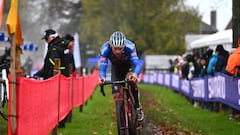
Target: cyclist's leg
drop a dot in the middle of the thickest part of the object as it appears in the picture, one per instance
(136, 95)
(138, 105)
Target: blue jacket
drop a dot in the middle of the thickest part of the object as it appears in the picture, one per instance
(212, 64)
(129, 55)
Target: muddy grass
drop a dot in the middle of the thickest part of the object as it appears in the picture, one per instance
(153, 126)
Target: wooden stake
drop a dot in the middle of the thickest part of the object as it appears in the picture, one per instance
(13, 84)
(56, 71)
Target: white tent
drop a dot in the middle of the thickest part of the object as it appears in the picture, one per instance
(222, 37)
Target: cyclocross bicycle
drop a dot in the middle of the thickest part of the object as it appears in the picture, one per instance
(4, 95)
(125, 111)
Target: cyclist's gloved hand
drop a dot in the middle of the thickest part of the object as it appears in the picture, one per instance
(132, 77)
(102, 81)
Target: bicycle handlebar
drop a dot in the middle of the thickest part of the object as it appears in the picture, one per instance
(112, 82)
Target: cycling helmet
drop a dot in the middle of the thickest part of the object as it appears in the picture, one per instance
(117, 40)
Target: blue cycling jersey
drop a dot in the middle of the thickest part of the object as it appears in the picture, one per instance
(128, 56)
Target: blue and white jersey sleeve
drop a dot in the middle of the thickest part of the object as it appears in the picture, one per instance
(133, 57)
(103, 61)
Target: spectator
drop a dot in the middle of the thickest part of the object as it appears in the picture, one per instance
(222, 55)
(188, 68)
(208, 55)
(203, 66)
(212, 64)
(232, 69)
(70, 60)
(176, 66)
(56, 49)
(211, 59)
(196, 64)
(171, 63)
(70, 38)
(233, 62)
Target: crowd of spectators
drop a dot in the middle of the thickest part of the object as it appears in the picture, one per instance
(196, 65)
(208, 63)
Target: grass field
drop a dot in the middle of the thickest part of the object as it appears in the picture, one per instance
(163, 107)
(177, 115)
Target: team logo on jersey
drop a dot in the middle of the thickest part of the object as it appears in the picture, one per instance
(134, 53)
(102, 58)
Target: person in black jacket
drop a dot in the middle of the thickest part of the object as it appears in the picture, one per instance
(222, 55)
(186, 67)
(70, 57)
(57, 48)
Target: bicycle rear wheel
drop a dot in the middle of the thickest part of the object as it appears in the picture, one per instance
(121, 121)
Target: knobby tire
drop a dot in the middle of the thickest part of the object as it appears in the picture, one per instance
(121, 123)
(133, 123)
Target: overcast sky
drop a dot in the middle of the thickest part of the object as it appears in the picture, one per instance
(223, 8)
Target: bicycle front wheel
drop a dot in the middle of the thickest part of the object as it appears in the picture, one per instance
(132, 120)
(121, 120)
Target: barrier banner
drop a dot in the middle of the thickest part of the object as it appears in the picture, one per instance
(78, 92)
(160, 79)
(198, 88)
(153, 78)
(86, 88)
(65, 95)
(216, 87)
(232, 92)
(37, 106)
(41, 104)
(90, 82)
(185, 87)
(167, 79)
(145, 78)
(219, 87)
(175, 81)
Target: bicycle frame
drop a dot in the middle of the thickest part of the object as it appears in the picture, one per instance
(126, 97)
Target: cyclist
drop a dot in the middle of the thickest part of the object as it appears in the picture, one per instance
(123, 56)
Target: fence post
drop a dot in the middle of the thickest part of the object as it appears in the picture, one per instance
(56, 71)
(69, 116)
(85, 71)
(81, 74)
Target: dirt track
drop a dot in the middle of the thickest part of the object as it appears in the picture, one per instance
(153, 127)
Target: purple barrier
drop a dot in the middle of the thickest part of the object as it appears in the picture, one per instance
(220, 87)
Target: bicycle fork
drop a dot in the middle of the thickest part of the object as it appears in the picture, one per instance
(128, 104)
